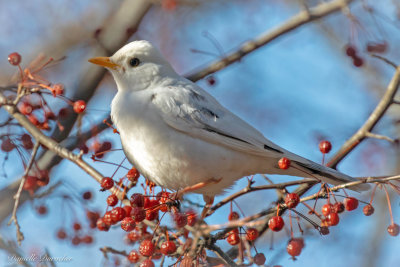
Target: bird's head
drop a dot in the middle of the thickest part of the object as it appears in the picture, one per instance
(136, 66)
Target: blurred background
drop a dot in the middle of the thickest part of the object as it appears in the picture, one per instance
(297, 90)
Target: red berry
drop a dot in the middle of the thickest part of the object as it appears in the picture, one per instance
(191, 217)
(87, 239)
(233, 238)
(324, 230)
(368, 210)
(147, 263)
(92, 215)
(259, 259)
(76, 240)
(61, 234)
(137, 200)
(146, 248)
(163, 197)
(112, 200)
(350, 50)
(233, 216)
(134, 236)
(251, 234)
(211, 80)
(133, 256)
(117, 214)
(108, 218)
(138, 214)
(25, 108)
(180, 219)
(327, 209)
(7, 145)
(107, 183)
(128, 224)
(14, 58)
(276, 223)
(338, 207)
(77, 226)
(294, 247)
(27, 141)
(358, 62)
(350, 203)
(151, 214)
(58, 89)
(30, 183)
(42, 210)
(333, 219)
(87, 195)
(292, 200)
(133, 175)
(393, 229)
(102, 225)
(128, 210)
(284, 163)
(325, 146)
(168, 247)
(79, 106)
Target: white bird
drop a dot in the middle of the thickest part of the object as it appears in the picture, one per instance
(181, 138)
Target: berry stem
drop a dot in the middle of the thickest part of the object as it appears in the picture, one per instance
(373, 194)
(389, 205)
(291, 225)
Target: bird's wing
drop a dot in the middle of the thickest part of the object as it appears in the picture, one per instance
(188, 108)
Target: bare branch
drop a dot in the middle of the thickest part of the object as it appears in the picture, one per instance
(55, 147)
(20, 235)
(294, 22)
(376, 115)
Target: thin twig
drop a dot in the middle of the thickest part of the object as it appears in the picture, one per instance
(294, 22)
(20, 235)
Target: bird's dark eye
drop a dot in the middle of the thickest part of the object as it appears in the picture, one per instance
(134, 62)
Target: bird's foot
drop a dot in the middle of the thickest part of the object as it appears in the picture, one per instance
(209, 201)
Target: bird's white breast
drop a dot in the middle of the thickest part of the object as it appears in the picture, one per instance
(170, 158)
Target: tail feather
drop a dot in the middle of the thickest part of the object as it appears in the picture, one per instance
(328, 175)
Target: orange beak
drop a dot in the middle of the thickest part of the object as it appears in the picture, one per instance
(104, 62)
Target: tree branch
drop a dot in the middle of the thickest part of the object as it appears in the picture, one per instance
(294, 22)
(20, 235)
(376, 115)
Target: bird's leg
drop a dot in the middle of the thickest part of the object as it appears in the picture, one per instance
(209, 201)
(195, 187)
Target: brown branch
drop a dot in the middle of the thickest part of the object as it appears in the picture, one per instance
(376, 115)
(53, 146)
(294, 22)
(107, 250)
(222, 255)
(250, 188)
(20, 235)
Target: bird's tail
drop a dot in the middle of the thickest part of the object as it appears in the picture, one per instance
(314, 170)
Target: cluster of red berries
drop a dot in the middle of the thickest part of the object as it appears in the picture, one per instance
(7, 145)
(351, 51)
(77, 235)
(251, 234)
(130, 218)
(32, 182)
